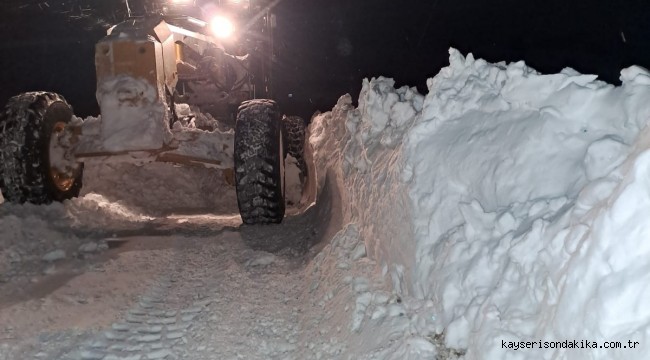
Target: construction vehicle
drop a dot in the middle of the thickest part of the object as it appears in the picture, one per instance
(153, 70)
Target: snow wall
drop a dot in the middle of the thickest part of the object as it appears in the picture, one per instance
(516, 202)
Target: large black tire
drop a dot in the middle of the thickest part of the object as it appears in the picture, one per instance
(259, 162)
(294, 140)
(27, 125)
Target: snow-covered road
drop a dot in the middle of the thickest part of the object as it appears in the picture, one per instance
(141, 267)
(202, 288)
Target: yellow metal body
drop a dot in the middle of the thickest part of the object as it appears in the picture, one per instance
(148, 54)
(137, 68)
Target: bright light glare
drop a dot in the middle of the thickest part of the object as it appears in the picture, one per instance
(197, 22)
(181, 2)
(243, 4)
(222, 27)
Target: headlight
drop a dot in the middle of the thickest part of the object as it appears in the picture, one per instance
(222, 27)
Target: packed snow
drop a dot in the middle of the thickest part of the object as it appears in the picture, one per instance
(500, 216)
(133, 116)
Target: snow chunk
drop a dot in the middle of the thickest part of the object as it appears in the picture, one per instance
(603, 156)
(54, 255)
(261, 259)
(636, 74)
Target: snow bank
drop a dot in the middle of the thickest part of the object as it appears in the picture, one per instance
(359, 146)
(514, 201)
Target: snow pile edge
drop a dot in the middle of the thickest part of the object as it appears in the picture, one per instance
(505, 197)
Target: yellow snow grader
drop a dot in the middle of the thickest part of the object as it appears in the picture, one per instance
(171, 87)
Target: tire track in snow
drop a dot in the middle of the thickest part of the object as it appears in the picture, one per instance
(157, 327)
(218, 299)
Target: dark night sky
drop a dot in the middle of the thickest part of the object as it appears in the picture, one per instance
(328, 46)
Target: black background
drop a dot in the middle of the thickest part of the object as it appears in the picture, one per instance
(328, 46)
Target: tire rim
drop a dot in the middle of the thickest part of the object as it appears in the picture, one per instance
(62, 179)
